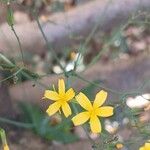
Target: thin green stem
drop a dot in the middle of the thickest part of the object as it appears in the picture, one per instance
(47, 42)
(91, 140)
(85, 80)
(6, 60)
(9, 9)
(15, 123)
(96, 58)
(31, 78)
(20, 47)
(137, 91)
(89, 37)
(3, 136)
(130, 21)
(76, 112)
(11, 76)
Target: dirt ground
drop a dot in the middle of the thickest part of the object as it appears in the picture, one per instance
(30, 141)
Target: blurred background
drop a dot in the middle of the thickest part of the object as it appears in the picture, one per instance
(94, 45)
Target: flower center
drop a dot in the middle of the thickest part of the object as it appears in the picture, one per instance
(92, 112)
(62, 99)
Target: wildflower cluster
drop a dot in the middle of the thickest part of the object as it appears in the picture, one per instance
(91, 111)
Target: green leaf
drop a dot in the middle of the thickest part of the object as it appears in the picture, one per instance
(6, 66)
(43, 127)
(29, 74)
(10, 17)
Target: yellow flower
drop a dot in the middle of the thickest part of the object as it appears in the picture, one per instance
(145, 147)
(119, 145)
(92, 111)
(60, 98)
(6, 147)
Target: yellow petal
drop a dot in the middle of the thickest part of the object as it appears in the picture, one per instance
(100, 99)
(147, 146)
(61, 86)
(84, 101)
(119, 145)
(6, 147)
(70, 94)
(95, 124)
(80, 118)
(105, 111)
(141, 148)
(52, 109)
(66, 109)
(51, 95)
